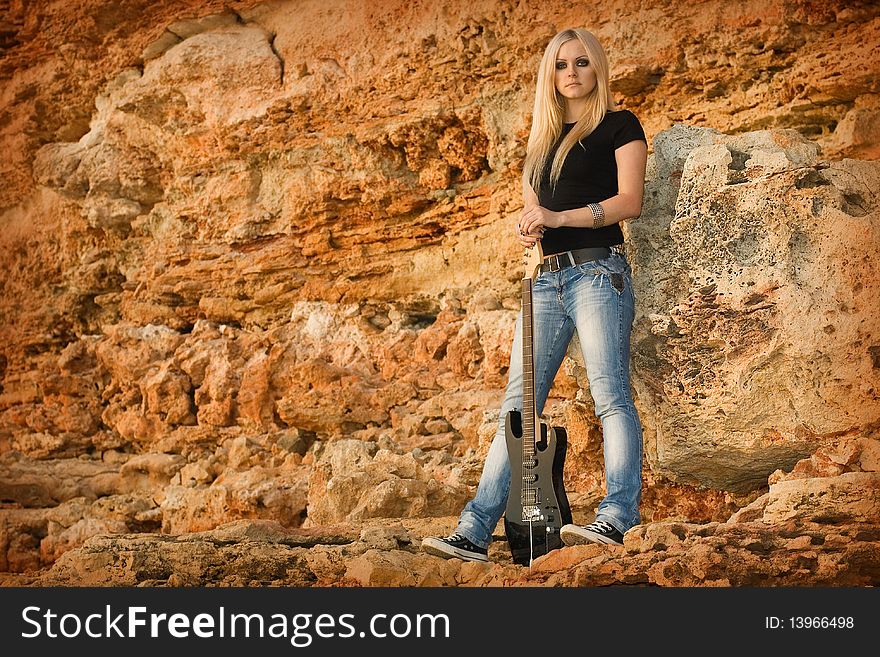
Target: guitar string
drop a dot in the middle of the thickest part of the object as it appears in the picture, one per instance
(530, 428)
(528, 454)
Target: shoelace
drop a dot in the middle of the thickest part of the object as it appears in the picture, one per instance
(601, 526)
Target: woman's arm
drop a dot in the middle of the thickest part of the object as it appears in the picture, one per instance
(530, 199)
(529, 196)
(632, 160)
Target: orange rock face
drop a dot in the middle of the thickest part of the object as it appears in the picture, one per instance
(257, 264)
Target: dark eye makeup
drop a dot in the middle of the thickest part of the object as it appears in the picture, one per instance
(582, 62)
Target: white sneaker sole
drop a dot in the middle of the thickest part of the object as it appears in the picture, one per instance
(440, 549)
(574, 535)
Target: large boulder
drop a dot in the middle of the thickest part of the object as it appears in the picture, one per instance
(756, 278)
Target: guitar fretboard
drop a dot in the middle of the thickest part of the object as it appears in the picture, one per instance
(530, 424)
(529, 415)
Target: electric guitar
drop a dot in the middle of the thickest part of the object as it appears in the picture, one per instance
(537, 506)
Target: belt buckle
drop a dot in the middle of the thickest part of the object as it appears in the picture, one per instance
(553, 263)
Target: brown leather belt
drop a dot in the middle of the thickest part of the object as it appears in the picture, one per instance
(565, 259)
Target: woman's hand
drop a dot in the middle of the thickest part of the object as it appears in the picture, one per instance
(534, 221)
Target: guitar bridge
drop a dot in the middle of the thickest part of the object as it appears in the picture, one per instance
(531, 514)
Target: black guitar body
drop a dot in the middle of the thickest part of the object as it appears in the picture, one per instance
(550, 510)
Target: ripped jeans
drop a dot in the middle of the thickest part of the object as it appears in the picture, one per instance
(595, 299)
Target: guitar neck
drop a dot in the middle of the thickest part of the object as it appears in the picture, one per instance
(530, 415)
(533, 258)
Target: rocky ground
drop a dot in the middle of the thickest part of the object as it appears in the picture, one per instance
(669, 553)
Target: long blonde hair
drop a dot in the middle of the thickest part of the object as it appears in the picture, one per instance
(549, 110)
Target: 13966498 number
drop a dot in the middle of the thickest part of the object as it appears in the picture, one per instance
(821, 622)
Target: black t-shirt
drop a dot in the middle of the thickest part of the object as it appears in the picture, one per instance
(589, 175)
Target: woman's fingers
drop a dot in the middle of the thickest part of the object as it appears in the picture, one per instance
(528, 220)
(530, 226)
(528, 240)
(532, 221)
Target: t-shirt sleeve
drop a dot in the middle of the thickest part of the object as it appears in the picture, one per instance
(628, 130)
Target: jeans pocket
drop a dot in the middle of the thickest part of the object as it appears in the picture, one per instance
(614, 268)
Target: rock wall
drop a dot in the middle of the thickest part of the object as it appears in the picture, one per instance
(258, 268)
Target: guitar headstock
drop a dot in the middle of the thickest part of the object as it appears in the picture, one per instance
(532, 259)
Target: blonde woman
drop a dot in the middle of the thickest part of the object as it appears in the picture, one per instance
(584, 174)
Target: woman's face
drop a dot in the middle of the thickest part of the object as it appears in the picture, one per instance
(575, 76)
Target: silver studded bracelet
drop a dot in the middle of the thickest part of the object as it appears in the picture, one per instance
(598, 215)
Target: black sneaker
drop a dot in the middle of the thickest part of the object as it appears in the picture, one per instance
(454, 546)
(596, 532)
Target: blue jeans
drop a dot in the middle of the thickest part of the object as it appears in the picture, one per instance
(596, 299)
